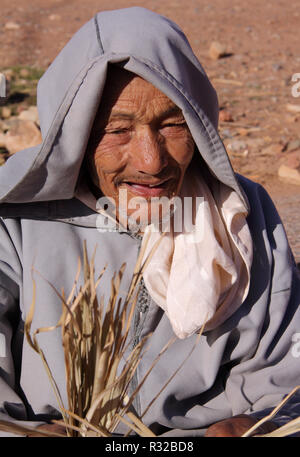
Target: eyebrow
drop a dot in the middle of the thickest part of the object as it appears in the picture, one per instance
(121, 115)
(173, 110)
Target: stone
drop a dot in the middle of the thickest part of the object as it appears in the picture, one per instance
(54, 17)
(11, 26)
(255, 144)
(217, 50)
(272, 149)
(22, 135)
(242, 131)
(226, 133)
(292, 108)
(290, 168)
(237, 145)
(225, 116)
(241, 147)
(24, 73)
(289, 174)
(6, 112)
(30, 114)
(21, 82)
(237, 148)
(293, 145)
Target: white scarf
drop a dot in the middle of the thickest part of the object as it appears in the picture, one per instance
(202, 278)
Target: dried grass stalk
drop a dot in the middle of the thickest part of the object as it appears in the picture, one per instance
(95, 338)
(11, 427)
(288, 429)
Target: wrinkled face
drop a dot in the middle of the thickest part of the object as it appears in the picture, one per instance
(139, 143)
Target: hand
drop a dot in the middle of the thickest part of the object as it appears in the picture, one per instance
(237, 426)
(53, 429)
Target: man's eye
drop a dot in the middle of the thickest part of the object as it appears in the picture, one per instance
(116, 131)
(175, 124)
(174, 127)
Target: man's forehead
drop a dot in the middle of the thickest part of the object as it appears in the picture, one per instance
(126, 92)
(116, 113)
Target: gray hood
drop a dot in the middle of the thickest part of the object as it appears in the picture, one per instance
(70, 91)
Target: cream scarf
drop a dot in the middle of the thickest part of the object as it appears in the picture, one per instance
(204, 277)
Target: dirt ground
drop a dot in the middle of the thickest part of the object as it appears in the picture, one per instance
(253, 82)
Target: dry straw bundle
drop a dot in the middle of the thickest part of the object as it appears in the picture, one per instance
(95, 340)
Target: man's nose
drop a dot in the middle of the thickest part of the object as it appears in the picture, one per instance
(149, 154)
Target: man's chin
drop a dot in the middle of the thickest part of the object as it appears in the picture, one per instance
(155, 215)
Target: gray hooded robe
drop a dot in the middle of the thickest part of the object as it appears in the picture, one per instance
(247, 364)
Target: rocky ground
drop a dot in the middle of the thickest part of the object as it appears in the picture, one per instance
(248, 48)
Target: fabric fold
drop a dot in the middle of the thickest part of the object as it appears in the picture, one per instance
(202, 274)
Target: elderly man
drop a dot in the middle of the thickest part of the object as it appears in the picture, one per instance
(127, 110)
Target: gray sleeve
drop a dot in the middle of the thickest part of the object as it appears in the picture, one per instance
(12, 407)
(270, 370)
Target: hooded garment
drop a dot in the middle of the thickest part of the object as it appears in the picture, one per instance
(247, 360)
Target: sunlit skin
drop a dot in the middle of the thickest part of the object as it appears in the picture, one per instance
(140, 141)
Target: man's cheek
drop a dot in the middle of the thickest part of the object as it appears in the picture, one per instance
(108, 160)
(111, 140)
(183, 151)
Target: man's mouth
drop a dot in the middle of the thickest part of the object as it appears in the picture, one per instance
(148, 189)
